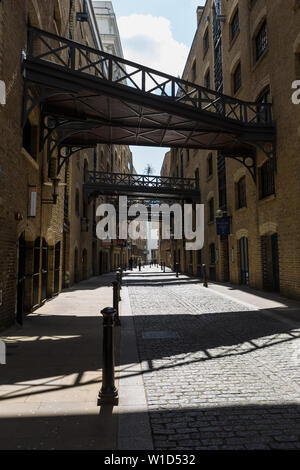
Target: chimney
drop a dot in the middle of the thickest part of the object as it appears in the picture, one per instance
(199, 14)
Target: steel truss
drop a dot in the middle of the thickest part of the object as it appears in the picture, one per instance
(88, 97)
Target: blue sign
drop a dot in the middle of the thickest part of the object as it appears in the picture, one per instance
(223, 225)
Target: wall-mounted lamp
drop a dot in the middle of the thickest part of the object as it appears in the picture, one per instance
(55, 185)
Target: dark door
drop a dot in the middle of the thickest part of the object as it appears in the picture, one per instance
(199, 263)
(84, 264)
(275, 262)
(44, 270)
(244, 261)
(21, 278)
(212, 267)
(36, 271)
(191, 262)
(56, 267)
(76, 276)
(100, 262)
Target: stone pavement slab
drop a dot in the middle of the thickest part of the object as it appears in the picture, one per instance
(50, 384)
(226, 376)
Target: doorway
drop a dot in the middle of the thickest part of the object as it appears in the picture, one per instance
(56, 267)
(270, 262)
(44, 270)
(36, 271)
(21, 278)
(244, 261)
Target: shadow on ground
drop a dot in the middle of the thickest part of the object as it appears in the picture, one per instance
(229, 427)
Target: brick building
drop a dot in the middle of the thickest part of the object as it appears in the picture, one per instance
(249, 50)
(47, 225)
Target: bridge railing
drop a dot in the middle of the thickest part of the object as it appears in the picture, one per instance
(79, 58)
(141, 181)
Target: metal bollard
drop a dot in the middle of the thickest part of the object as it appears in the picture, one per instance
(164, 267)
(108, 394)
(177, 269)
(204, 275)
(116, 303)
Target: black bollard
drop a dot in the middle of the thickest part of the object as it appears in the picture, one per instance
(177, 269)
(204, 275)
(116, 303)
(164, 267)
(108, 394)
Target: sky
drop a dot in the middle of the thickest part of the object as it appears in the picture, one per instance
(157, 34)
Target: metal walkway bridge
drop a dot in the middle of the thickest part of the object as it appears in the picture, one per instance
(148, 187)
(88, 97)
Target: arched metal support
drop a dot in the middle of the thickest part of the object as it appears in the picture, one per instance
(30, 101)
(249, 162)
(65, 152)
(269, 150)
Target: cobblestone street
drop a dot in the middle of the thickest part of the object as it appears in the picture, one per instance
(218, 373)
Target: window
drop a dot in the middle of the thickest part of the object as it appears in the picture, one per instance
(266, 179)
(262, 109)
(241, 193)
(187, 156)
(212, 253)
(30, 139)
(207, 79)
(237, 78)
(261, 41)
(194, 70)
(206, 41)
(211, 210)
(77, 202)
(235, 26)
(209, 165)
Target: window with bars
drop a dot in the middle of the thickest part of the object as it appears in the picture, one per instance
(261, 40)
(77, 209)
(266, 179)
(212, 253)
(221, 164)
(263, 100)
(241, 200)
(207, 79)
(209, 165)
(237, 78)
(211, 206)
(235, 25)
(205, 41)
(187, 156)
(194, 70)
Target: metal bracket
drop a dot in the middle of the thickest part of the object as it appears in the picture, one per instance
(249, 162)
(269, 149)
(66, 151)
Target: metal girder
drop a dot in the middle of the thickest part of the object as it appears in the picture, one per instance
(94, 97)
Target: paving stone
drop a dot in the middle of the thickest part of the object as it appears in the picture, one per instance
(229, 378)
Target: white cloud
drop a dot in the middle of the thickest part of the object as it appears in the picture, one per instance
(148, 40)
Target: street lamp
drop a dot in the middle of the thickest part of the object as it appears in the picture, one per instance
(55, 193)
